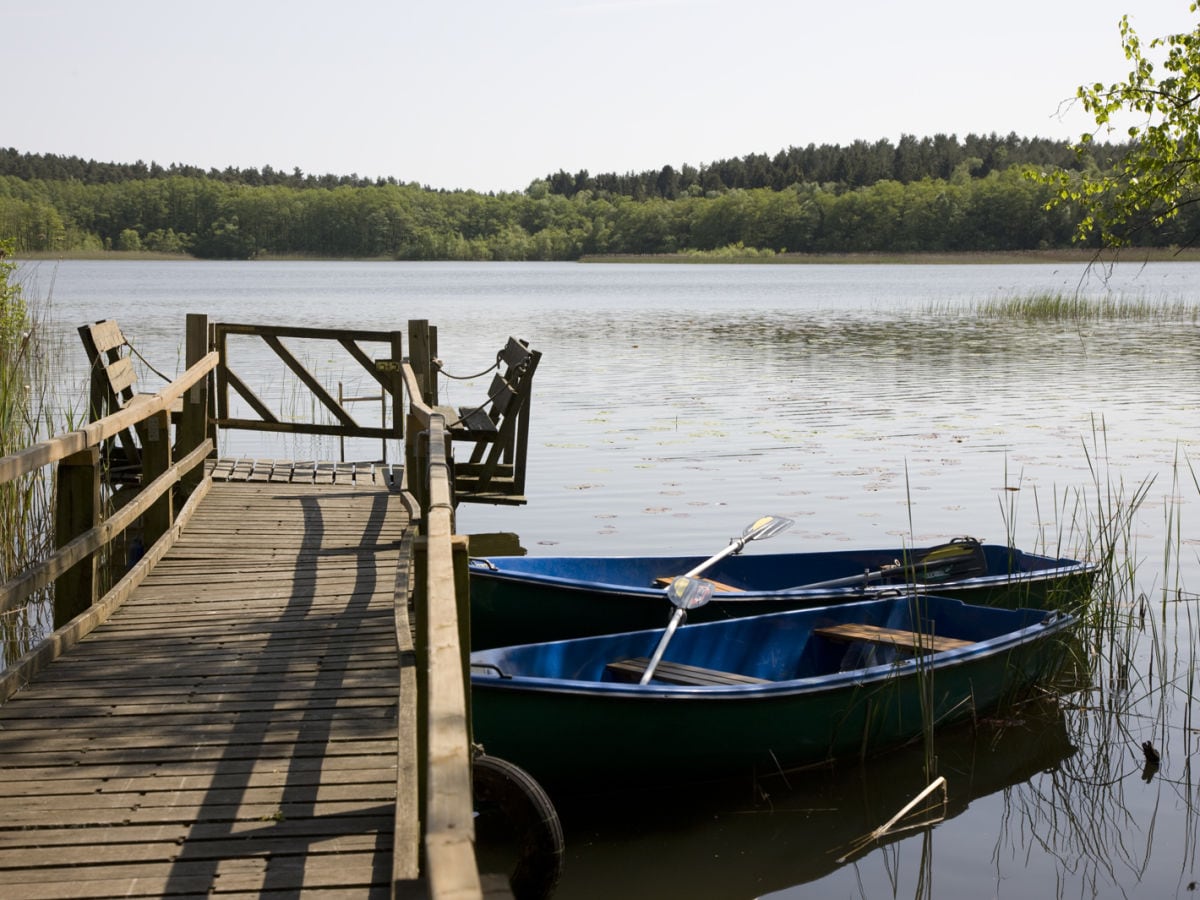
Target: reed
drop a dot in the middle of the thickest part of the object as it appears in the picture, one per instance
(27, 416)
(1078, 308)
(1133, 711)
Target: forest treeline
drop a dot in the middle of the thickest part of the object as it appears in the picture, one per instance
(920, 195)
(860, 164)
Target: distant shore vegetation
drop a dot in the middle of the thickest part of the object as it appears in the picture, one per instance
(920, 196)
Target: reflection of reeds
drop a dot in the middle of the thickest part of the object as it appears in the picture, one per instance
(928, 815)
(1130, 683)
(1134, 703)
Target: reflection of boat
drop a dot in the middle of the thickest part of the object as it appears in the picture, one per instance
(525, 599)
(754, 693)
(734, 839)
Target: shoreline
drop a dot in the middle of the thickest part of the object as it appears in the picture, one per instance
(966, 257)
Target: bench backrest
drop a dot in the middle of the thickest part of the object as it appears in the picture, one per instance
(499, 430)
(112, 379)
(510, 403)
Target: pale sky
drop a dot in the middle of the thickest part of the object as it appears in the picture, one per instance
(492, 94)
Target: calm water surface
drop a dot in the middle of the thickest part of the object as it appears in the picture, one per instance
(875, 406)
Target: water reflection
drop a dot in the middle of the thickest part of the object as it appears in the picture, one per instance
(744, 839)
(845, 419)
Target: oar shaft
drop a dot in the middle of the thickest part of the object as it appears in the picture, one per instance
(848, 581)
(767, 526)
(735, 547)
(662, 646)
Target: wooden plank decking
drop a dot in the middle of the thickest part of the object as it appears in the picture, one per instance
(232, 728)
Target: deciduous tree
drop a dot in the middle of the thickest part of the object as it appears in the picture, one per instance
(1159, 176)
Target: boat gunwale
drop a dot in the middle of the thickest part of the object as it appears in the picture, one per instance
(614, 589)
(1053, 622)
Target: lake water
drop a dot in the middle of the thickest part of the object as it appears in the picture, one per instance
(875, 406)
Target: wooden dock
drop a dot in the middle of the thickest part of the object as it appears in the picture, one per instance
(270, 695)
(232, 728)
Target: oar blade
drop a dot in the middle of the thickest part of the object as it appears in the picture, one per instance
(767, 527)
(689, 593)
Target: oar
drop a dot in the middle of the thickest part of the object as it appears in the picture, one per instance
(864, 578)
(965, 551)
(761, 529)
(685, 593)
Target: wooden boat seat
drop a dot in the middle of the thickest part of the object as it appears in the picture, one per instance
(904, 640)
(678, 673)
(666, 580)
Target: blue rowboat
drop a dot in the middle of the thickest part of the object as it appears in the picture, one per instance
(525, 599)
(756, 694)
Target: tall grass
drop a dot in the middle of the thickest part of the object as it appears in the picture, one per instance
(1132, 715)
(25, 418)
(1077, 308)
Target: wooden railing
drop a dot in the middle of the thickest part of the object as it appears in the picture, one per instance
(384, 371)
(439, 646)
(85, 530)
(434, 849)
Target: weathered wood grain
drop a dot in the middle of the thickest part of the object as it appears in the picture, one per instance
(232, 727)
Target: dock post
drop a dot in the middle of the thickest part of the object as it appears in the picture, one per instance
(156, 459)
(460, 550)
(193, 423)
(422, 349)
(397, 386)
(77, 501)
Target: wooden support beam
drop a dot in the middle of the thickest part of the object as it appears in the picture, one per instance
(396, 384)
(77, 502)
(193, 420)
(156, 461)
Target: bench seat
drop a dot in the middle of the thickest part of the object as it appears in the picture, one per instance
(679, 673)
(903, 640)
(718, 586)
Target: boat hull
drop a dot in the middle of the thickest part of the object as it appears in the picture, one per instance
(517, 600)
(556, 710)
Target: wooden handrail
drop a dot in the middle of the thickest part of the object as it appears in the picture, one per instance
(446, 797)
(452, 870)
(416, 406)
(63, 639)
(41, 575)
(85, 535)
(91, 435)
(448, 864)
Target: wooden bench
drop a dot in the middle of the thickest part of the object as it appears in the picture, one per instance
(112, 380)
(498, 429)
(903, 640)
(678, 673)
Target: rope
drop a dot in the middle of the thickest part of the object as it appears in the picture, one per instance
(467, 413)
(146, 362)
(491, 398)
(496, 365)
